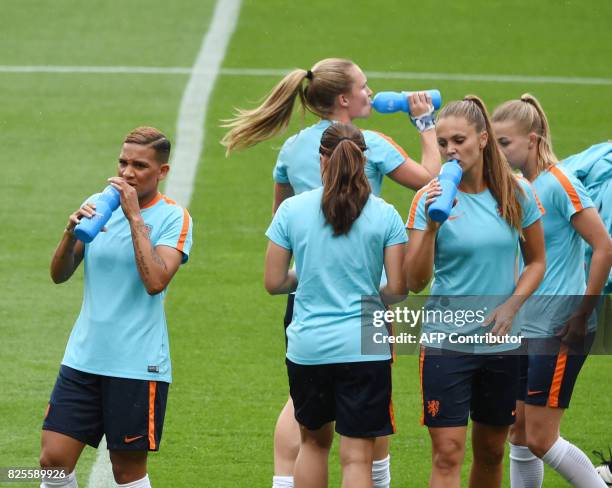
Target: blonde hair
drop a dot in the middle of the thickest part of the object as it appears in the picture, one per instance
(326, 80)
(497, 173)
(528, 114)
(345, 186)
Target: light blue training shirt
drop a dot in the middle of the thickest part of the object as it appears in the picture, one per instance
(121, 330)
(562, 196)
(298, 162)
(334, 273)
(593, 167)
(475, 255)
(547, 310)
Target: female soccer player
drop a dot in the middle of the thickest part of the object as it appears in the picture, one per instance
(337, 91)
(473, 253)
(115, 374)
(341, 235)
(558, 339)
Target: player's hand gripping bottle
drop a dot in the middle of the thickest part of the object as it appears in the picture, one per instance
(388, 102)
(449, 179)
(106, 203)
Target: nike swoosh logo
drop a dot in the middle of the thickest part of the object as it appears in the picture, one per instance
(534, 392)
(127, 439)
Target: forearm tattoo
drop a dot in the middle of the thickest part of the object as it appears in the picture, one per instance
(142, 230)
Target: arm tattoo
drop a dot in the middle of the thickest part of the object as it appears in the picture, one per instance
(157, 259)
(142, 229)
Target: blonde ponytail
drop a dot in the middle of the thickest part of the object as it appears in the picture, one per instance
(248, 127)
(529, 115)
(326, 80)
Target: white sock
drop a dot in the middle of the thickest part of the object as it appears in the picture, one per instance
(282, 482)
(573, 464)
(69, 481)
(526, 469)
(141, 483)
(381, 474)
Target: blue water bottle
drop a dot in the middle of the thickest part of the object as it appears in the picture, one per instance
(106, 203)
(389, 102)
(449, 178)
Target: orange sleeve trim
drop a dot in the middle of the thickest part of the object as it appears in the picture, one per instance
(421, 362)
(413, 207)
(152, 390)
(157, 198)
(168, 200)
(47, 410)
(399, 148)
(555, 388)
(184, 231)
(568, 187)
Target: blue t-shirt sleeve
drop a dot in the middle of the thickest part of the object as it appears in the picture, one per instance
(383, 152)
(570, 194)
(278, 232)
(532, 208)
(417, 219)
(396, 231)
(177, 232)
(280, 169)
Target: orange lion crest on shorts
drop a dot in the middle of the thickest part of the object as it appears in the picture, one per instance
(433, 407)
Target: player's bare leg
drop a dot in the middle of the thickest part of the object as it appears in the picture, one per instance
(356, 456)
(286, 441)
(130, 466)
(60, 451)
(447, 453)
(311, 464)
(488, 444)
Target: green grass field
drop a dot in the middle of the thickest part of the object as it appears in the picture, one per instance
(61, 135)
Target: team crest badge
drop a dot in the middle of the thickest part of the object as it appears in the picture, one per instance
(433, 407)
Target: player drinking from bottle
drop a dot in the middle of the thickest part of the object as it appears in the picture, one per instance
(559, 323)
(472, 254)
(115, 374)
(335, 90)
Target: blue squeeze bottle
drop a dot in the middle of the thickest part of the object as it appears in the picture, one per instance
(106, 203)
(388, 102)
(449, 178)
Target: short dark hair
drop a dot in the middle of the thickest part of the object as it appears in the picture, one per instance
(151, 137)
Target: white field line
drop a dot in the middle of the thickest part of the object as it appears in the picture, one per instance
(101, 475)
(192, 114)
(188, 148)
(388, 75)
